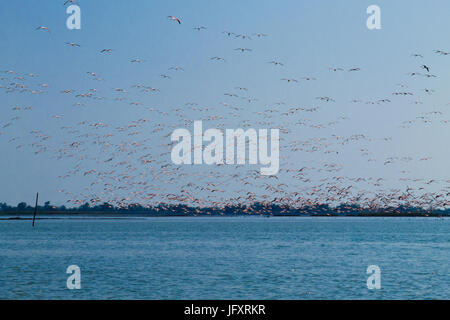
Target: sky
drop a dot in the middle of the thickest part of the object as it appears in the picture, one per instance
(308, 37)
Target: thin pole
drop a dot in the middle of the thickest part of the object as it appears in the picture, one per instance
(35, 207)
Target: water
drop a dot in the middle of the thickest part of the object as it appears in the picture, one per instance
(226, 258)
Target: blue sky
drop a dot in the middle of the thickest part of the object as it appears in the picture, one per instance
(309, 37)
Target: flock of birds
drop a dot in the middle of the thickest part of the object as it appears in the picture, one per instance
(130, 163)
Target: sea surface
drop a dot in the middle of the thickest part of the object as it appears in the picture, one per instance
(226, 258)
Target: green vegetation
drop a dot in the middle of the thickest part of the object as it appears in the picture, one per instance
(258, 208)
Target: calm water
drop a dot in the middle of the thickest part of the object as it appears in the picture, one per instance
(226, 258)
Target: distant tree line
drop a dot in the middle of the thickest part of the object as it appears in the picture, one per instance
(258, 208)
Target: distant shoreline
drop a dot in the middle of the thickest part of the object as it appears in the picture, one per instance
(265, 209)
(10, 216)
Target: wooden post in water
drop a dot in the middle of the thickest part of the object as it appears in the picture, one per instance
(35, 207)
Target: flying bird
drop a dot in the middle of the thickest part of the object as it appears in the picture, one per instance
(218, 58)
(276, 63)
(289, 80)
(228, 33)
(43, 28)
(243, 49)
(426, 68)
(175, 19)
(72, 44)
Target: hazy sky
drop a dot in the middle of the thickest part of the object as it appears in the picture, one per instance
(308, 37)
